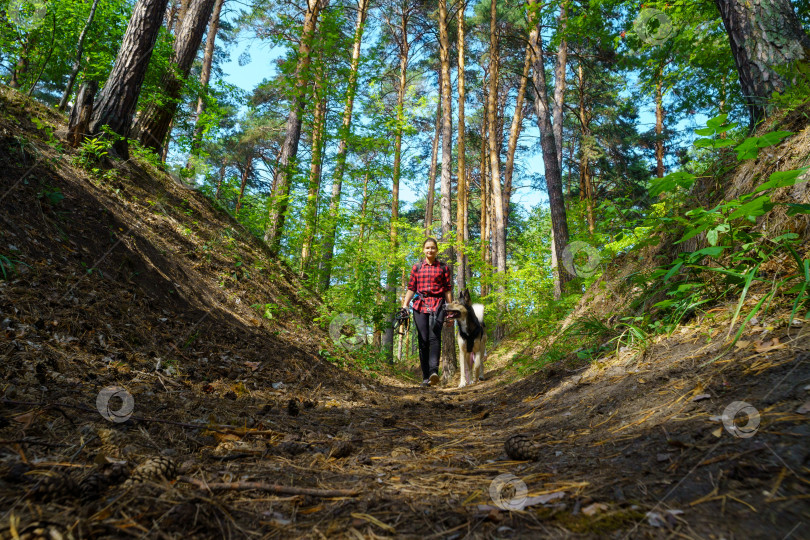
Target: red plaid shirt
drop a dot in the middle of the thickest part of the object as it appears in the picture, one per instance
(431, 282)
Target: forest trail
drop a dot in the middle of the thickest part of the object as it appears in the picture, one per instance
(137, 282)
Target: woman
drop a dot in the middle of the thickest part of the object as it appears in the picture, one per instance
(431, 280)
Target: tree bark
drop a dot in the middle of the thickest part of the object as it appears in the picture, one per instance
(78, 62)
(550, 159)
(205, 74)
(434, 162)
(461, 198)
(514, 133)
(340, 160)
(289, 149)
(392, 271)
(80, 114)
(659, 120)
(585, 183)
(448, 356)
(117, 101)
(311, 209)
(499, 234)
(243, 184)
(764, 35)
(153, 126)
(484, 181)
(560, 82)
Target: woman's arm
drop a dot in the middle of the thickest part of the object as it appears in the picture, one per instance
(408, 297)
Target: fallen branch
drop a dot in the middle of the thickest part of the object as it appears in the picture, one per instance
(272, 488)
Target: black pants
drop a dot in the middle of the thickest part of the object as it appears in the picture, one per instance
(430, 342)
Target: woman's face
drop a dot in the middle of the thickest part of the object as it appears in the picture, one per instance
(430, 250)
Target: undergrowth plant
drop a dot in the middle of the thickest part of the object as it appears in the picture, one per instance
(732, 262)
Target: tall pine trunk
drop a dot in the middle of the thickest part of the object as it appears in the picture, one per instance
(499, 225)
(340, 160)
(514, 133)
(282, 179)
(153, 126)
(314, 185)
(461, 199)
(393, 271)
(116, 103)
(434, 165)
(551, 161)
(205, 74)
(448, 357)
(585, 181)
(659, 120)
(764, 35)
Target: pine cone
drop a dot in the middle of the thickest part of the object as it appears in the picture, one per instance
(50, 485)
(521, 447)
(342, 449)
(156, 468)
(97, 482)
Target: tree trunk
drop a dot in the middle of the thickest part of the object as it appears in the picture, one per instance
(514, 132)
(205, 74)
(78, 62)
(392, 271)
(484, 181)
(585, 183)
(219, 181)
(289, 149)
(448, 357)
(153, 126)
(764, 35)
(550, 159)
(499, 232)
(659, 120)
(118, 99)
(23, 64)
(461, 199)
(559, 83)
(434, 162)
(80, 114)
(340, 160)
(243, 184)
(311, 209)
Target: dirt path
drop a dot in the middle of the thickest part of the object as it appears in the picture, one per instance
(630, 450)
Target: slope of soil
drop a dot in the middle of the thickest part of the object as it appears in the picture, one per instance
(133, 281)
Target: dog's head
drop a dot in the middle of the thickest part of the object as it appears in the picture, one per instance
(458, 309)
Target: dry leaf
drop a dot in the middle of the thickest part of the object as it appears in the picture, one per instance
(375, 521)
(804, 409)
(768, 345)
(25, 419)
(701, 397)
(741, 344)
(253, 365)
(717, 432)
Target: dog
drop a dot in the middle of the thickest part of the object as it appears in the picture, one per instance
(471, 337)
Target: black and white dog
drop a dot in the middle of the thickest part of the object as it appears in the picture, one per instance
(471, 337)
